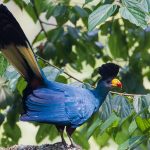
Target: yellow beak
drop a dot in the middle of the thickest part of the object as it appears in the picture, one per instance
(116, 83)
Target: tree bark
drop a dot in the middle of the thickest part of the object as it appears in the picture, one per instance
(56, 146)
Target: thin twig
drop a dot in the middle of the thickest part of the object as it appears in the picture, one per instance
(58, 68)
(126, 94)
(37, 36)
(55, 25)
(51, 24)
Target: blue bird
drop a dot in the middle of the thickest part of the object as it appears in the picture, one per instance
(65, 106)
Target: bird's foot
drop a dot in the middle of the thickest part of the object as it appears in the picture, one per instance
(65, 144)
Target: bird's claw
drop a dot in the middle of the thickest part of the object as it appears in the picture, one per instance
(65, 144)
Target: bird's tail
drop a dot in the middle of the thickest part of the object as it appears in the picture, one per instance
(16, 47)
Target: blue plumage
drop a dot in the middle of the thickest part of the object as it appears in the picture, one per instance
(48, 101)
(62, 104)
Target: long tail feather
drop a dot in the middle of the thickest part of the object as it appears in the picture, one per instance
(16, 47)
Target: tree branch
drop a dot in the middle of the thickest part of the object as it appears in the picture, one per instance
(54, 146)
(126, 94)
(51, 24)
(37, 15)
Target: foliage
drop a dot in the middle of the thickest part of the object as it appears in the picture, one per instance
(123, 38)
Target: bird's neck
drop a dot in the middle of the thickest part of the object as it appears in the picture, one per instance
(101, 91)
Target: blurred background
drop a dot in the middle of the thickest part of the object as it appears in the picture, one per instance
(58, 32)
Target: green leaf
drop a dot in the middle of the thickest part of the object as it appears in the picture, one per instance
(112, 120)
(53, 133)
(29, 9)
(134, 15)
(59, 10)
(132, 127)
(52, 73)
(132, 142)
(141, 104)
(41, 6)
(93, 127)
(6, 97)
(55, 34)
(61, 79)
(39, 38)
(121, 106)
(143, 124)
(12, 132)
(3, 64)
(100, 15)
(49, 13)
(73, 32)
(43, 132)
(12, 75)
(19, 3)
(48, 51)
(83, 142)
(106, 108)
(142, 5)
(21, 85)
(116, 40)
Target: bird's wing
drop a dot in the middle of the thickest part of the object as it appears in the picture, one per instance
(63, 106)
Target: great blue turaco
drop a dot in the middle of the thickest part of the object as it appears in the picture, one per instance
(66, 106)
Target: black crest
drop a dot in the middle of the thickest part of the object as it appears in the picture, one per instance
(109, 70)
(10, 30)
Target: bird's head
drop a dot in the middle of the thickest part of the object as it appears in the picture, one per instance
(108, 73)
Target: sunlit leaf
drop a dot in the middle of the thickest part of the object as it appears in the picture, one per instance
(93, 127)
(132, 127)
(134, 15)
(143, 124)
(21, 85)
(51, 73)
(12, 76)
(109, 122)
(100, 15)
